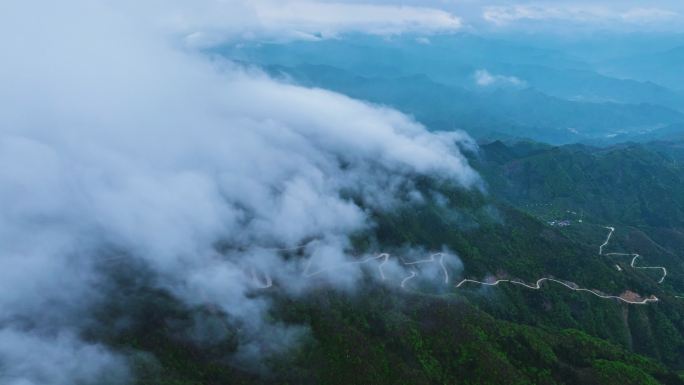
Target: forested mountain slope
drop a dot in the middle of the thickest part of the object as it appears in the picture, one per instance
(431, 331)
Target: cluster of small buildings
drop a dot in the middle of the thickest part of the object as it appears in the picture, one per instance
(560, 223)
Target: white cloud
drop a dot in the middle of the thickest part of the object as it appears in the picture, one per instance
(648, 15)
(332, 18)
(212, 21)
(484, 78)
(114, 139)
(595, 13)
(30, 359)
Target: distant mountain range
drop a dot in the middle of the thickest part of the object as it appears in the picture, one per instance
(536, 93)
(491, 112)
(664, 68)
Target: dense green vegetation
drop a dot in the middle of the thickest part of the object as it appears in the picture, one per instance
(387, 337)
(437, 334)
(632, 184)
(638, 188)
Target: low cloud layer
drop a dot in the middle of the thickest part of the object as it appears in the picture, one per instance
(333, 18)
(484, 78)
(610, 15)
(31, 358)
(563, 16)
(211, 21)
(117, 144)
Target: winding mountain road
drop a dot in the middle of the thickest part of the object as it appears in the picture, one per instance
(605, 243)
(634, 255)
(265, 284)
(405, 280)
(383, 256)
(432, 260)
(438, 258)
(537, 286)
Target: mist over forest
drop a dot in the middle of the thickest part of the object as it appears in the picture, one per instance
(341, 192)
